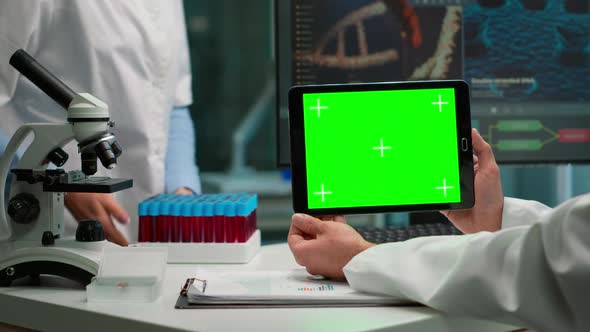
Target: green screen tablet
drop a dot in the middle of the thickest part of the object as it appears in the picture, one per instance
(381, 147)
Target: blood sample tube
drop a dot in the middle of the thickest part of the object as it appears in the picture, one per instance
(163, 220)
(252, 206)
(145, 222)
(248, 205)
(153, 211)
(208, 216)
(185, 219)
(230, 218)
(241, 219)
(219, 218)
(175, 205)
(197, 217)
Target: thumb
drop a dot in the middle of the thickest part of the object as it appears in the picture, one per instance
(482, 149)
(306, 223)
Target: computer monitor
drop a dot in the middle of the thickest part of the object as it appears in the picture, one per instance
(527, 63)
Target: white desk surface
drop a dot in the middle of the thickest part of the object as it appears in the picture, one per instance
(65, 309)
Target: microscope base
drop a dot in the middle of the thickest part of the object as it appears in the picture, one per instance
(34, 269)
(69, 259)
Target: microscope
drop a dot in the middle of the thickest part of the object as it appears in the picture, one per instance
(32, 241)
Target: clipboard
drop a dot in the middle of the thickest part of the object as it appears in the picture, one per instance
(285, 290)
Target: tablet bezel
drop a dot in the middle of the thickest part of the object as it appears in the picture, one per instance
(298, 162)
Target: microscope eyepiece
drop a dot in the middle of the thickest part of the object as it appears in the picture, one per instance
(42, 78)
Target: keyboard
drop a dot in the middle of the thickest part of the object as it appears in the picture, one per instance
(395, 234)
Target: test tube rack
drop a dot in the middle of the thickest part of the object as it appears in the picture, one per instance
(209, 228)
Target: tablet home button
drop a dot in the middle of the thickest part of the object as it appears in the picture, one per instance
(464, 145)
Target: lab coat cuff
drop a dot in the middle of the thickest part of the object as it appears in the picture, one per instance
(520, 212)
(184, 96)
(363, 274)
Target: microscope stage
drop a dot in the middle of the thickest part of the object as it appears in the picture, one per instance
(93, 184)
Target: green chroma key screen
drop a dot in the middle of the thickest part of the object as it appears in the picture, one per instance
(374, 148)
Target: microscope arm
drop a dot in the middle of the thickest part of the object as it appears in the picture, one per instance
(47, 136)
(16, 140)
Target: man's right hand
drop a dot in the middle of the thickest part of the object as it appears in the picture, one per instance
(486, 214)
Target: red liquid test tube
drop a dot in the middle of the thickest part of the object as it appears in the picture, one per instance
(163, 221)
(241, 229)
(197, 228)
(196, 218)
(207, 229)
(229, 212)
(208, 212)
(218, 229)
(145, 229)
(179, 231)
(174, 223)
(162, 228)
(246, 217)
(252, 222)
(230, 229)
(147, 223)
(186, 231)
(219, 211)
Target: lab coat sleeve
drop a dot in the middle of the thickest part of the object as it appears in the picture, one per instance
(19, 22)
(534, 276)
(181, 168)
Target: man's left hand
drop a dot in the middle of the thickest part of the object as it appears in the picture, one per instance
(324, 247)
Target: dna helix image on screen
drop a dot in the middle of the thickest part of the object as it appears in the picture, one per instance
(527, 63)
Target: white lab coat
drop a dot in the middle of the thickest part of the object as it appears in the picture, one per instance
(533, 273)
(132, 54)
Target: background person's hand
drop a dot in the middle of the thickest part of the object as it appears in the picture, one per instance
(184, 191)
(101, 207)
(486, 214)
(324, 247)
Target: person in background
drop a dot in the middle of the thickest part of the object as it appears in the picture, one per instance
(133, 55)
(521, 263)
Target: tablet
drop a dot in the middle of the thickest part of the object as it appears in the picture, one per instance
(381, 147)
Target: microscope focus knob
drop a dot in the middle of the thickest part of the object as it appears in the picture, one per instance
(24, 208)
(89, 231)
(58, 157)
(48, 239)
